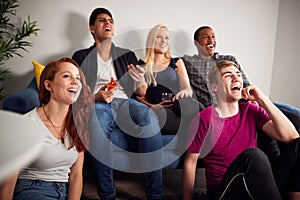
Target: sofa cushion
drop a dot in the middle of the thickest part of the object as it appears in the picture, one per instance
(38, 68)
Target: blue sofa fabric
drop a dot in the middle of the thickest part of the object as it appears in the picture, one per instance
(23, 101)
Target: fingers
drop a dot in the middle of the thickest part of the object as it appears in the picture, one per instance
(108, 96)
(166, 103)
(245, 92)
(183, 94)
(137, 73)
(118, 86)
(251, 93)
(140, 69)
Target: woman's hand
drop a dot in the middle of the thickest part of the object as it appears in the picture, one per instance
(183, 94)
(164, 104)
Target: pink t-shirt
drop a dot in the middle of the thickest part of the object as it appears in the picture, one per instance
(221, 140)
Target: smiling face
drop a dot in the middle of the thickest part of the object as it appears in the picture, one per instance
(206, 43)
(229, 84)
(162, 41)
(103, 28)
(66, 85)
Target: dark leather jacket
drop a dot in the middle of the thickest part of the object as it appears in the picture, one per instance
(87, 59)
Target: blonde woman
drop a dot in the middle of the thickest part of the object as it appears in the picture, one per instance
(166, 78)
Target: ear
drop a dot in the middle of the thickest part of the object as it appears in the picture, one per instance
(92, 29)
(196, 43)
(47, 85)
(214, 87)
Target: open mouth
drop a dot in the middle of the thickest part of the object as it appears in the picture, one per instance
(107, 29)
(210, 46)
(163, 46)
(236, 88)
(73, 90)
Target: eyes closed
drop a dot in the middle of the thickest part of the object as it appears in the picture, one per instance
(104, 20)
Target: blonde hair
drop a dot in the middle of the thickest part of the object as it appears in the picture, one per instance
(214, 73)
(149, 57)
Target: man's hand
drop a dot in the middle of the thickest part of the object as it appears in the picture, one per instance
(111, 85)
(104, 95)
(136, 72)
(107, 92)
(252, 93)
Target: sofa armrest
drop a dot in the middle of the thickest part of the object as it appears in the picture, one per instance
(290, 112)
(288, 107)
(22, 101)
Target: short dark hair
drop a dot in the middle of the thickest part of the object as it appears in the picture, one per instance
(197, 32)
(97, 12)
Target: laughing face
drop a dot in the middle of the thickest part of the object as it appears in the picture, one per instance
(162, 40)
(103, 27)
(206, 43)
(230, 84)
(66, 85)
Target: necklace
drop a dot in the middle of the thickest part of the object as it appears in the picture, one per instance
(50, 119)
(55, 127)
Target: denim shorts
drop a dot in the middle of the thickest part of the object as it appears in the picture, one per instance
(27, 189)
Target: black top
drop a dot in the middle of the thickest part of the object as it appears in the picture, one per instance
(167, 82)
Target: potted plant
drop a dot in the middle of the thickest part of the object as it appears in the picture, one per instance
(12, 37)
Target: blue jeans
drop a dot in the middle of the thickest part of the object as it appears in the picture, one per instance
(27, 189)
(132, 127)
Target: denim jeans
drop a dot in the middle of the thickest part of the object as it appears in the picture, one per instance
(27, 189)
(129, 119)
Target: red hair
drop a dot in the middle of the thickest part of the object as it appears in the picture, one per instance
(77, 118)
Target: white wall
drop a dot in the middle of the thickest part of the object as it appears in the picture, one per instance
(286, 70)
(244, 28)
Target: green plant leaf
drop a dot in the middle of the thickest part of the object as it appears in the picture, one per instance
(13, 38)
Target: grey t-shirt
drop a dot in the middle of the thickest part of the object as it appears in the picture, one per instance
(54, 161)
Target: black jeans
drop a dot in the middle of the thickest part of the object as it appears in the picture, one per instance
(286, 168)
(248, 177)
(253, 176)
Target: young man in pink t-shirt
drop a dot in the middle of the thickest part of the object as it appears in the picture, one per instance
(226, 139)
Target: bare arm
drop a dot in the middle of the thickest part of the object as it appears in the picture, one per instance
(75, 180)
(279, 127)
(184, 82)
(7, 187)
(188, 175)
